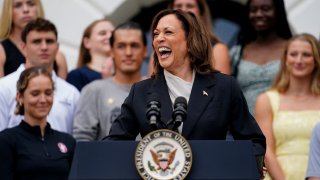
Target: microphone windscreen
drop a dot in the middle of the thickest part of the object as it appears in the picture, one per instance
(180, 100)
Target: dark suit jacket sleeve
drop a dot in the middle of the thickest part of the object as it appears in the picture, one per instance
(125, 127)
(243, 126)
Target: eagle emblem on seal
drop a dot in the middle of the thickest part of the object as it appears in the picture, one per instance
(163, 154)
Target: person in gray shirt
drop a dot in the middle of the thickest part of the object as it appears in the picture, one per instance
(101, 100)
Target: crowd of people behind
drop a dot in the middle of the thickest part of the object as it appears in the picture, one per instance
(265, 89)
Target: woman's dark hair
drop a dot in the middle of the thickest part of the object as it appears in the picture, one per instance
(197, 37)
(282, 28)
(248, 34)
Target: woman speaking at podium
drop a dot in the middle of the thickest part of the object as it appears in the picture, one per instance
(182, 67)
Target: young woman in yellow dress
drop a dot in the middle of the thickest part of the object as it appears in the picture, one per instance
(289, 111)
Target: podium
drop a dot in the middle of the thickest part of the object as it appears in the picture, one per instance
(212, 159)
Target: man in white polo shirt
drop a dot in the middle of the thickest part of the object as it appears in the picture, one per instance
(40, 46)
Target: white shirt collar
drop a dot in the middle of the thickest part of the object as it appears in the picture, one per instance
(177, 86)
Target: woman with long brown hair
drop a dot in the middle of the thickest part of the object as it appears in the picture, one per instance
(94, 61)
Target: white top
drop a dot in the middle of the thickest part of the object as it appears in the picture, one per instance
(63, 109)
(178, 87)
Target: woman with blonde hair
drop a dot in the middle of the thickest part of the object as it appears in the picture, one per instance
(288, 112)
(15, 15)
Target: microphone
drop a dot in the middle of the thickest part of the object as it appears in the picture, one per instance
(153, 111)
(179, 112)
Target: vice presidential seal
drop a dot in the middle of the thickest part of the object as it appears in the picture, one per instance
(163, 154)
